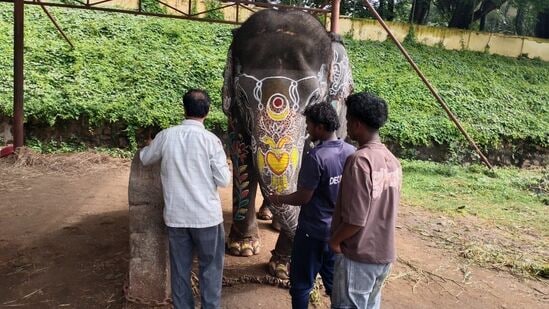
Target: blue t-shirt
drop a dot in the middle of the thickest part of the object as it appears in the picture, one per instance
(321, 171)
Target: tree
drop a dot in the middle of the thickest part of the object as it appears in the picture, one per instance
(420, 11)
(462, 13)
(386, 9)
(542, 26)
(520, 19)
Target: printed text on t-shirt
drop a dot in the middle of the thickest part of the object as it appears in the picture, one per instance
(335, 180)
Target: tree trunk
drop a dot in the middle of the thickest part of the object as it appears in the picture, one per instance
(386, 9)
(382, 7)
(520, 18)
(390, 9)
(482, 25)
(420, 11)
(486, 7)
(465, 13)
(462, 16)
(542, 25)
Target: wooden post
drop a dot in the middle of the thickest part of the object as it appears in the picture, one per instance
(334, 21)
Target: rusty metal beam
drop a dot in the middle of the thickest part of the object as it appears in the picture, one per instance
(428, 84)
(56, 24)
(139, 11)
(282, 6)
(174, 8)
(18, 72)
(115, 10)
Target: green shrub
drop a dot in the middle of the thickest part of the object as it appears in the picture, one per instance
(134, 69)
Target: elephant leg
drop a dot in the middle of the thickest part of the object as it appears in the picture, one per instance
(244, 234)
(280, 261)
(264, 212)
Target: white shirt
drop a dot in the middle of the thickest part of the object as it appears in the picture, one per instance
(193, 165)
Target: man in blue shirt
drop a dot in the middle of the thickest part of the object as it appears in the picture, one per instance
(317, 189)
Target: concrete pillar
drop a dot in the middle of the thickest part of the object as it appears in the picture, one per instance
(149, 259)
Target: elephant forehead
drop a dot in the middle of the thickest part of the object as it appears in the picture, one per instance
(296, 91)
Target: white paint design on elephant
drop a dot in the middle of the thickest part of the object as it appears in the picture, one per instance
(341, 73)
(276, 149)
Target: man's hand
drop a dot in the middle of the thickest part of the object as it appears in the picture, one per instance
(274, 198)
(335, 246)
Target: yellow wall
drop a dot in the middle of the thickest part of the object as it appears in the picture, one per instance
(126, 4)
(456, 39)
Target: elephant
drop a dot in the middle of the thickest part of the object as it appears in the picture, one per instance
(279, 62)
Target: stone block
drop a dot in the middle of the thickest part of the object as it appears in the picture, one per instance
(149, 259)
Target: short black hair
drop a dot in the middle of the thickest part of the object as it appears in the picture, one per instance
(196, 103)
(368, 109)
(323, 113)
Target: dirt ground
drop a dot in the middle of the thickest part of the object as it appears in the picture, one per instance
(64, 244)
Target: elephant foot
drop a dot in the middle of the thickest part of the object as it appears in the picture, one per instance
(276, 224)
(245, 247)
(264, 213)
(279, 266)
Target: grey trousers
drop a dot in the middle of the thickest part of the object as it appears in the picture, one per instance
(209, 244)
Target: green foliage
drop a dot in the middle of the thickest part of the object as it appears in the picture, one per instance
(507, 196)
(152, 6)
(497, 99)
(135, 69)
(72, 146)
(411, 36)
(55, 146)
(505, 199)
(215, 14)
(123, 68)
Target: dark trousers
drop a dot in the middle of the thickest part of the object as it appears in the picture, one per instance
(208, 243)
(309, 257)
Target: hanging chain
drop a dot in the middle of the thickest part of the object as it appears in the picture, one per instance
(227, 282)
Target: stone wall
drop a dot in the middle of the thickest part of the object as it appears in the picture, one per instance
(79, 131)
(516, 153)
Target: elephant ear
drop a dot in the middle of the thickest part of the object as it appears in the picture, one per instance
(228, 84)
(341, 82)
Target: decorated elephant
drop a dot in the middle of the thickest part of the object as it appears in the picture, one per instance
(279, 62)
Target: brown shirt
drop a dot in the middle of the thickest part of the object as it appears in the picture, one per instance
(369, 195)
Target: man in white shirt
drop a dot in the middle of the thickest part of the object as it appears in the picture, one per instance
(193, 165)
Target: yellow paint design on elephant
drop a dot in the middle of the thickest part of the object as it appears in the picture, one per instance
(278, 116)
(260, 161)
(278, 159)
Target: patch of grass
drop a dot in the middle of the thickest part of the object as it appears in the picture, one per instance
(504, 199)
(56, 147)
(315, 298)
(515, 262)
(506, 196)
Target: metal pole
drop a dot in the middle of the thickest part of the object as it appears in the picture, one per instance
(18, 78)
(428, 84)
(56, 25)
(334, 22)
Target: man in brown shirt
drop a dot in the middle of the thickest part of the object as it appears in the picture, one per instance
(363, 225)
